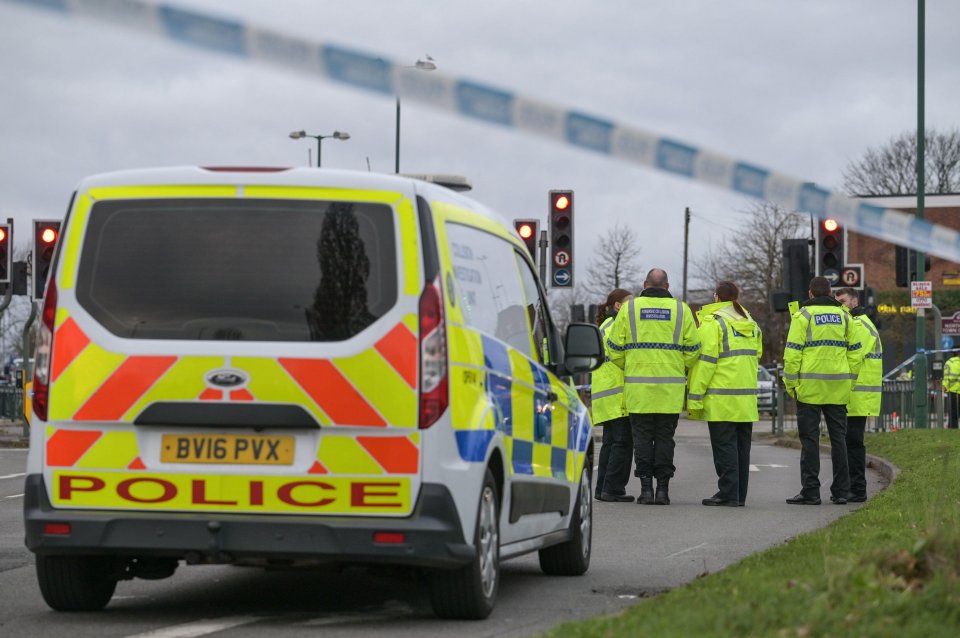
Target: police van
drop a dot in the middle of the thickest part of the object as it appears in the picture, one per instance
(287, 367)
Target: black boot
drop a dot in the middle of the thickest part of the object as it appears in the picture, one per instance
(646, 491)
(663, 494)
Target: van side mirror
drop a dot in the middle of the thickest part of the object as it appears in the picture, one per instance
(583, 348)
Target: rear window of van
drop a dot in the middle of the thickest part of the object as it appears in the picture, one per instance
(233, 269)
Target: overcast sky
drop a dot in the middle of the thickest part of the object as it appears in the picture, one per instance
(801, 87)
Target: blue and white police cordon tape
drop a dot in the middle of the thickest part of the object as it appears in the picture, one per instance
(499, 106)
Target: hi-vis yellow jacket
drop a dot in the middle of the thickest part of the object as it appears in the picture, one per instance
(823, 353)
(607, 385)
(723, 383)
(951, 374)
(654, 339)
(865, 398)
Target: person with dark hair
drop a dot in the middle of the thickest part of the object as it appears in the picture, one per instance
(723, 390)
(865, 398)
(821, 361)
(655, 341)
(609, 412)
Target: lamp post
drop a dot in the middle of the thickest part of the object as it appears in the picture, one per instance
(337, 135)
(422, 65)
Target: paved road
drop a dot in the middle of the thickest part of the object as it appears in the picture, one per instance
(638, 551)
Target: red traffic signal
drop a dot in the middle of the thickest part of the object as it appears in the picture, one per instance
(45, 236)
(529, 231)
(561, 238)
(6, 253)
(830, 250)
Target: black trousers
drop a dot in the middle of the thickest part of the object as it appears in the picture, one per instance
(613, 471)
(954, 400)
(653, 444)
(808, 424)
(731, 457)
(857, 455)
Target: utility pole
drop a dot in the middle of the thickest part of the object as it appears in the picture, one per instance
(686, 247)
(920, 361)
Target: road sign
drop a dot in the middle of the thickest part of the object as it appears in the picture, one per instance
(832, 276)
(561, 258)
(921, 294)
(950, 326)
(851, 276)
(561, 277)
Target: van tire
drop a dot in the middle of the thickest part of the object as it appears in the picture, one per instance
(572, 557)
(76, 583)
(469, 592)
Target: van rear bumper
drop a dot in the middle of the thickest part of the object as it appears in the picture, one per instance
(433, 535)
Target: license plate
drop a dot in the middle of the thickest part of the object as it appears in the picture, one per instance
(227, 448)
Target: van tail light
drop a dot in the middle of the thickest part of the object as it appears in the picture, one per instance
(434, 386)
(44, 352)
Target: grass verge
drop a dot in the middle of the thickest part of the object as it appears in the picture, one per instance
(892, 568)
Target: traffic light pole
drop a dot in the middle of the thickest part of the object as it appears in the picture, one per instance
(542, 262)
(920, 362)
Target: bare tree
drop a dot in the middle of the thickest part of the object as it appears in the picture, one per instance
(616, 264)
(892, 168)
(754, 261)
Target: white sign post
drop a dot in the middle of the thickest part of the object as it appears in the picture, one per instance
(921, 294)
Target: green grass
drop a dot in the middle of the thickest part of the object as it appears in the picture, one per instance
(891, 568)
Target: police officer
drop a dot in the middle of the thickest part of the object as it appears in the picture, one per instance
(951, 384)
(654, 339)
(820, 365)
(865, 398)
(609, 411)
(723, 389)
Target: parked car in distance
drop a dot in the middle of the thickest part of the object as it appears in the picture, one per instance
(765, 388)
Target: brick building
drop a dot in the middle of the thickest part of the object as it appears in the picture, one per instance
(897, 318)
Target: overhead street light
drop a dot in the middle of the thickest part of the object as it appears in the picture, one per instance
(337, 135)
(421, 65)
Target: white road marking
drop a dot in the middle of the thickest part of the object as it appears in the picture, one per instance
(756, 468)
(14, 496)
(5, 476)
(198, 628)
(689, 549)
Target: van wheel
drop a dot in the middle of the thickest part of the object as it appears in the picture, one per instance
(76, 583)
(572, 558)
(470, 592)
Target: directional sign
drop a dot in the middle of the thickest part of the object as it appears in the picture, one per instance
(561, 258)
(852, 276)
(561, 277)
(832, 276)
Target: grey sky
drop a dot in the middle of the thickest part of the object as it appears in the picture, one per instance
(799, 87)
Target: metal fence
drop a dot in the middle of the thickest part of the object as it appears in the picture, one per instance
(11, 402)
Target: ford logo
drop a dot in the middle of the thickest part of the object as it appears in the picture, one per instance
(226, 378)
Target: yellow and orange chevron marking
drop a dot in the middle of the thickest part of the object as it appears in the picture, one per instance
(374, 388)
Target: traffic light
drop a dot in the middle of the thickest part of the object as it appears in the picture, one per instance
(796, 268)
(906, 259)
(6, 253)
(45, 235)
(529, 231)
(561, 239)
(830, 258)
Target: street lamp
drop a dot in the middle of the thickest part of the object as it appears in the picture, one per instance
(337, 135)
(421, 65)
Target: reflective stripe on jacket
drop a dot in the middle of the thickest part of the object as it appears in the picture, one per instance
(654, 340)
(951, 374)
(865, 398)
(606, 385)
(723, 383)
(823, 354)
